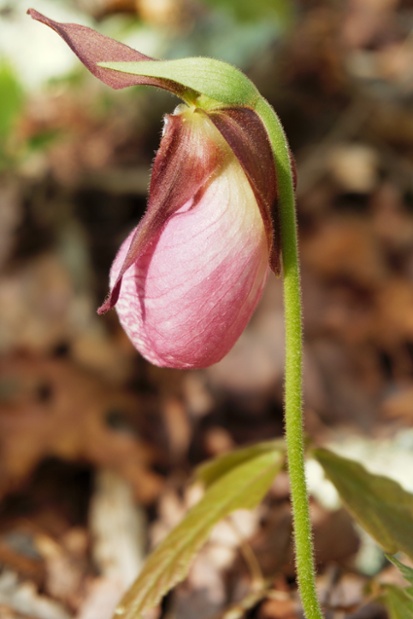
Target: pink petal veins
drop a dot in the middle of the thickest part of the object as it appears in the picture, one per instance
(188, 278)
(188, 296)
(186, 159)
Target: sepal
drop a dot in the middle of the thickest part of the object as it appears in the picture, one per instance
(209, 81)
(245, 133)
(93, 48)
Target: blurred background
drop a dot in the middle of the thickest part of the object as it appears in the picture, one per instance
(96, 445)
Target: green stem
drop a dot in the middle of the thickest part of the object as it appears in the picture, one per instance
(304, 554)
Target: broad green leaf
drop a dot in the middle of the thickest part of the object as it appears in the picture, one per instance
(405, 570)
(398, 602)
(213, 78)
(212, 470)
(241, 488)
(379, 504)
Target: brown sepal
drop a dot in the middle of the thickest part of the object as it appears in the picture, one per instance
(246, 135)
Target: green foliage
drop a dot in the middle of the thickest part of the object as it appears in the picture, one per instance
(240, 484)
(399, 602)
(247, 11)
(405, 570)
(213, 470)
(379, 504)
(11, 98)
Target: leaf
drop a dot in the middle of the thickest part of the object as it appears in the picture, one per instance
(405, 570)
(398, 602)
(212, 470)
(241, 488)
(11, 97)
(11, 103)
(246, 11)
(379, 504)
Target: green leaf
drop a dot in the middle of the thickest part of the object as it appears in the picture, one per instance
(212, 470)
(243, 487)
(405, 570)
(213, 78)
(379, 504)
(11, 97)
(11, 104)
(398, 602)
(247, 11)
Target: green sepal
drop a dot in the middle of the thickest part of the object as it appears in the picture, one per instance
(219, 81)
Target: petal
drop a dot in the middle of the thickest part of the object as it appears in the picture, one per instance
(187, 298)
(187, 157)
(91, 48)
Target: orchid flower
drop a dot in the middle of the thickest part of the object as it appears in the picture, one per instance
(187, 279)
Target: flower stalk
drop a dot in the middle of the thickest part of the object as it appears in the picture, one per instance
(293, 402)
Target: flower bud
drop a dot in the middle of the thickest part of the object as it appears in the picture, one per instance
(189, 286)
(188, 277)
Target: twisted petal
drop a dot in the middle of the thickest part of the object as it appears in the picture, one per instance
(187, 294)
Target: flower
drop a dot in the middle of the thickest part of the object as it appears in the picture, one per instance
(187, 279)
(187, 292)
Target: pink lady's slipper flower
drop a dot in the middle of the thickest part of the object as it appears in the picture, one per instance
(187, 279)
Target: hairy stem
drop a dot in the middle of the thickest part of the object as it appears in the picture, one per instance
(304, 554)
